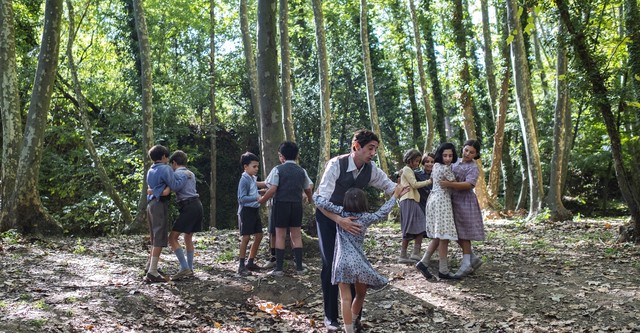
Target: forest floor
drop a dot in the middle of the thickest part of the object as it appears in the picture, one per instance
(536, 277)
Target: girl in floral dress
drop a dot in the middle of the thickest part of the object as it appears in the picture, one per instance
(350, 265)
(439, 213)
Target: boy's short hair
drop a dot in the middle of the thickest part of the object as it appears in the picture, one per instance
(157, 152)
(289, 150)
(424, 157)
(179, 157)
(247, 158)
(363, 137)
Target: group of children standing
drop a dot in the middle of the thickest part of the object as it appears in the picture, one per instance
(451, 209)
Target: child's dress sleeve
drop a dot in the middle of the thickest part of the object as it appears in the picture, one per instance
(322, 202)
(370, 218)
(409, 178)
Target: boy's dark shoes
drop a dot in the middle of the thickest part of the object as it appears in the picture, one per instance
(447, 276)
(150, 278)
(243, 271)
(424, 270)
(252, 267)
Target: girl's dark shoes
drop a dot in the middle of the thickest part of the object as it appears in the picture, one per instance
(424, 270)
(447, 276)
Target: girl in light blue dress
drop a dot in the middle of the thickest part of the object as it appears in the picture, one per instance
(350, 265)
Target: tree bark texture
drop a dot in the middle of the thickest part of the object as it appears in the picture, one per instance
(465, 95)
(488, 58)
(26, 212)
(325, 88)
(213, 125)
(560, 143)
(9, 107)
(250, 65)
(432, 67)
(111, 191)
(270, 104)
(423, 79)
(500, 120)
(146, 84)
(368, 73)
(526, 108)
(597, 79)
(285, 72)
(509, 175)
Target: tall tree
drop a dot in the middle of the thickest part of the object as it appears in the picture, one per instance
(368, 73)
(526, 109)
(597, 78)
(428, 146)
(213, 125)
(25, 211)
(488, 57)
(285, 71)
(250, 65)
(9, 105)
(86, 125)
(500, 118)
(432, 66)
(270, 104)
(146, 84)
(325, 88)
(460, 33)
(561, 133)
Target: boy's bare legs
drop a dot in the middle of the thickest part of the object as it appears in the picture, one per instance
(243, 253)
(281, 234)
(253, 252)
(188, 244)
(177, 249)
(296, 246)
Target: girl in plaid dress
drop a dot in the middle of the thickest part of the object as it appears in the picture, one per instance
(466, 210)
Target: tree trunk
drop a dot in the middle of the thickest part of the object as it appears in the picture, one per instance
(9, 107)
(465, 95)
(509, 176)
(325, 88)
(127, 219)
(423, 80)
(432, 66)
(270, 104)
(537, 52)
(213, 126)
(285, 69)
(500, 119)
(597, 79)
(526, 108)
(368, 74)
(524, 185)
(416, 124)
(250, 65)
(25, 210)
(560, 143)
(488, 59)
(146, 85)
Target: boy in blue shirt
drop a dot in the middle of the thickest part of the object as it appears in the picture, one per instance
(190, 219)
(249, 212)
(159, 176)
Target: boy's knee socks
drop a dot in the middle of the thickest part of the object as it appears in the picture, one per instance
(179, 252)
(279, 260)
(190, 259)
(297, 256)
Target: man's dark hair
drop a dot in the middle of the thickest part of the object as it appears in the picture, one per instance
(363, 137)
(179, 157)
(289, 150)
(247, 158)
(157, 152)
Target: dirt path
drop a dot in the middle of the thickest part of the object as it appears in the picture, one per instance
(545, 277)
